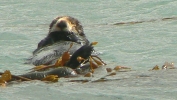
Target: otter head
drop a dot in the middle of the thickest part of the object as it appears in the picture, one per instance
(66, 23)
(68, 27)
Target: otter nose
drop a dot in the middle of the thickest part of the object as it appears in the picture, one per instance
(61, 24)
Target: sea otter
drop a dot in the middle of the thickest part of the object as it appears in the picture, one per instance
(62, 32)
(64, 28)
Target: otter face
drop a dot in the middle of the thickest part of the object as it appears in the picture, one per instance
(66, 23)
(69, 28)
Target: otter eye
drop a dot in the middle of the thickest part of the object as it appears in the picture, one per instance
(62, 24)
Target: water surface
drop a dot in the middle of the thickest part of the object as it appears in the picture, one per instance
(140, 46)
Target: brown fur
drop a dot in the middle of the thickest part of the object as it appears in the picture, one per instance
(73, 24)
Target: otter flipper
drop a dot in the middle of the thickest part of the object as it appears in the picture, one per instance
(84, 52)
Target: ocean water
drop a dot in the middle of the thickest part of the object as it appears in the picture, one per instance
(143, 41)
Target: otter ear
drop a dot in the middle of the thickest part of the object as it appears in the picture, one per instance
(53, 22)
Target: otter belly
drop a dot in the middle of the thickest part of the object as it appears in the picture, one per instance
(49, 54)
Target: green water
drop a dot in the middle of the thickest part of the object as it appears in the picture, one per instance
(140, 46)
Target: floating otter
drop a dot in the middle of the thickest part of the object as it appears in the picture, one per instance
(63, 31)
